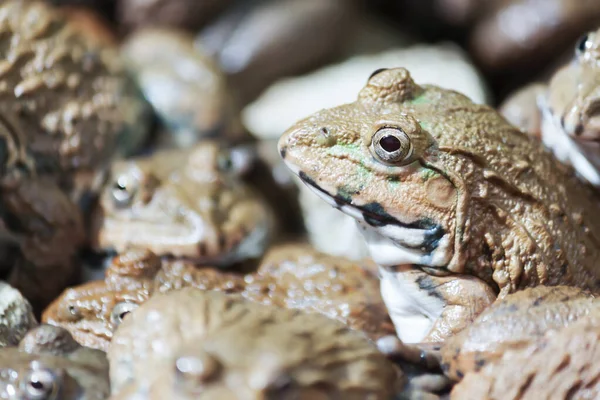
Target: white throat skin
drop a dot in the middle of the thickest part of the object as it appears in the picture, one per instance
(563, 147)
(412, 310)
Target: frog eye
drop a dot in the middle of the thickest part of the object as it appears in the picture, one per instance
(120, 311)
(224, 162)
(583, 44)
(123, 191)
(40, 384)
(391, 146)
(237, 160)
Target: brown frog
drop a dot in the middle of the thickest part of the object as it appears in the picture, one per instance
(516, 322)
(561, 365)
(66, 102)
(184, 203)
(290, 276)
(50, 365)
(565, 113)
(186, 89)
(192, 343)
(457, 206)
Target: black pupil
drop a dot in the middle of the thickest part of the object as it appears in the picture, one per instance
(119, 186)
(37, 385)
(582, 43)
(390, 143)
(123, 314)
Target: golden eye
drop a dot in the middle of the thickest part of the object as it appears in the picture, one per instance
(391, 146)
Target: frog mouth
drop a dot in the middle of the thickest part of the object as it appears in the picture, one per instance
(391, 241)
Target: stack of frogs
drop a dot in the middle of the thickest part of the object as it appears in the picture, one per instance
(484, 247)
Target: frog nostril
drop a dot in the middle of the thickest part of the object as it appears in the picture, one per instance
(325, 138)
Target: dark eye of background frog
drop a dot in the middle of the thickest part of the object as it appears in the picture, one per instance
(581, 45)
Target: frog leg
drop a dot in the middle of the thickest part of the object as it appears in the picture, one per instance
(427, 308)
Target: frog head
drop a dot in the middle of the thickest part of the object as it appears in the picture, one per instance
(377, 161)
(91, 312)
(574, 92)
(189, 204)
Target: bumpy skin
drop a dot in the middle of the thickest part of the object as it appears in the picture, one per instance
(185, 203)
(65, 102)
(476, 209)
(298, 277)
(563, 365)
(290, 276)
(50, 365)
(92, 311)
(565, 114)
(16, 316)
(218, 346)
(514, 323)
(192, 102)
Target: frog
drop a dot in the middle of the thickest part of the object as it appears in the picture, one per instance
(187, 90)
(16, 316)
(219, 346)
(92, 311)
(561, 365)
(515, 323)
(292, 275)
(48, 364)
(458, 207)
(62, 120)
(565, 112)
(183, 203)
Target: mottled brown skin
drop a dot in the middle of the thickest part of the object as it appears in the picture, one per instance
(516, 322)
(193, 103)
(49, 365)
(188, 204)
(16, 316)
(92, 311)
(217, 346)
(298, 277)
(290, 276)
(561, 365)
(62, 112)
(496, 213)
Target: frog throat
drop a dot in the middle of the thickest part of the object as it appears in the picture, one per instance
(390, 241)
